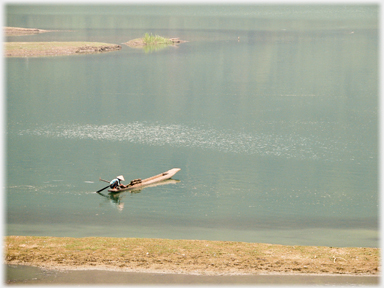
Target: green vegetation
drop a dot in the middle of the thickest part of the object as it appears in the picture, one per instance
(151, 43)
(150, 39)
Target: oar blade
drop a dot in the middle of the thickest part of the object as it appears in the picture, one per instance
(102, 189)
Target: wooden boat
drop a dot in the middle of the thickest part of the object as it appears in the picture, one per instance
(138, 184)
(164, 182)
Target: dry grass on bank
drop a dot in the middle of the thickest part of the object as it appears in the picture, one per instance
(188, 256)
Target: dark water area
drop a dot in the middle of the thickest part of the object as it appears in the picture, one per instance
(271, 112)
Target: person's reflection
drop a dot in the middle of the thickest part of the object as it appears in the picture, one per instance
(116, 198)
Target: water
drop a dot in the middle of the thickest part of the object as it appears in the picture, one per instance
(25, 275)
(275, 132)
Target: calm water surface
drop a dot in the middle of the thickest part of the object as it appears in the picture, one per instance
(275, 132)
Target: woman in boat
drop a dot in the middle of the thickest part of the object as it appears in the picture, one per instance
(116, 183)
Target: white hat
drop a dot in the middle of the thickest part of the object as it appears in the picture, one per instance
(121, 178)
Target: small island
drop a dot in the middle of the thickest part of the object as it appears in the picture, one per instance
(153, 42)
(149, 43)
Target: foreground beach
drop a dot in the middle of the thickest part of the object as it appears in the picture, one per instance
(195, 257)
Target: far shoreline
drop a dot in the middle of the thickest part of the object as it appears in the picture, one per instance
(18, 31)
(44, 49)
(51, 48)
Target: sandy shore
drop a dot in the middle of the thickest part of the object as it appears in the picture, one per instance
(193, 257)
(18, 31)
(40, 49)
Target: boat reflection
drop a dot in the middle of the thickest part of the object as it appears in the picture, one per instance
(116, 198)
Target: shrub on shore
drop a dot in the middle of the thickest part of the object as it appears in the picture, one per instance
(150, 39)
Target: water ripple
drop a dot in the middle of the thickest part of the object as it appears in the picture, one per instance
(291, 146)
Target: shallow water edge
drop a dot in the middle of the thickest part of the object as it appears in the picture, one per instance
(25, 275)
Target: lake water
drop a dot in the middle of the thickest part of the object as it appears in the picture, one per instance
(271, 112)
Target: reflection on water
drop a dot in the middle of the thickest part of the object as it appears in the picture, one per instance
(286, 146)
(116, 198)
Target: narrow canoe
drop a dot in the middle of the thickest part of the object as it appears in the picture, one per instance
(157, 178)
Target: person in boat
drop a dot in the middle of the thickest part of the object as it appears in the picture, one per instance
(116, 183)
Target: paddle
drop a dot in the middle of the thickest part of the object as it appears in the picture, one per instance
(104, 180)
(102, 189)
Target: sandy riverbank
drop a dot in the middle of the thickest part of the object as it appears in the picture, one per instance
(18, 31)
(39, 49)
(195, 257)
